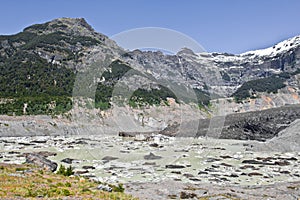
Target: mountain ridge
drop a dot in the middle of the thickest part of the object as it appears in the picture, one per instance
(71, 45)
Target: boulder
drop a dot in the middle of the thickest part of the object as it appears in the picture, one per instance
(171, 166)
(41, 161)
(67, 160)
(104, 188)
(151, 156)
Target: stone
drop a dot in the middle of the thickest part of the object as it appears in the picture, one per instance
(41, 161)
(88, 167)
(105, 188)
(151, 156)
(225, 157)
(80, 171)
(155, 145)
(149, 163)
(226, 165)
(46, 153)
(254, 162)
(282, 163)
(187, 175)
(255, 174)
(202, 172)
(172, 166)
(109, 158)
(186, 195)
(67, 160)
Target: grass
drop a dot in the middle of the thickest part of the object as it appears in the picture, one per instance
(31, 183)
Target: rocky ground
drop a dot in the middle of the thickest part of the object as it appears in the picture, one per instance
(161, 167)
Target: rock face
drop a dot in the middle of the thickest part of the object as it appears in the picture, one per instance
(287, 140)
(258, 125)
(41, 161)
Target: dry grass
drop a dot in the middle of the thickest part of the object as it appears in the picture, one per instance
(30, 182)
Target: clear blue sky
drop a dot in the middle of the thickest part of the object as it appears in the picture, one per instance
(232, 26)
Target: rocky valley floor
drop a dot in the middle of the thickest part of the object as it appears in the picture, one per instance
(160, 167)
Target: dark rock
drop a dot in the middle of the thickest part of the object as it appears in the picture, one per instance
(175, 172)
(149, 163)
(256, 125)
(226, 165)
(202, 172)
(288, 159)
(39, 141)
(181, 150)
(154, 145)
(170, 130)
(109, 158)
(172, 196)
(134, 134)
(41, 161)
(195, 179)
(224, 179)
(80, 142)
(282, 163)
(151, 156)
(67, 160)
(80, 172)
(186, 195)
(88, 167)
(13, 152)
(248, 167)
(25, 144)
(297, 175)
(284, 172)
(171, 166)
(46, 153)
(268, 159)
(225, 157)
(233, 175)
(210, 170)
(255, 174)
(254, 162)
(188, 175)
(212, 159)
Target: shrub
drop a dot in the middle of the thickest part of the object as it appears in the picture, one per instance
(65, 171)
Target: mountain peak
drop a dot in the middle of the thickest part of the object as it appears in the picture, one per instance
(67, 25)
(279, 48)
(185, 51)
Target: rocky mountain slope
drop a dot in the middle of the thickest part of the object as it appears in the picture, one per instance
(58, 67)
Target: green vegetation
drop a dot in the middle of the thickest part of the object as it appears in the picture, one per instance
(65, 171)
(270, 85)
(44, 87)
(37, 183)
(37, 105)
(142, 97)
(58, 38)
(118, 188)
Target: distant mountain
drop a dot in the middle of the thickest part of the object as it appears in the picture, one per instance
(38, 69)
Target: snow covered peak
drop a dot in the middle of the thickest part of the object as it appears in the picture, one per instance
(281, 47)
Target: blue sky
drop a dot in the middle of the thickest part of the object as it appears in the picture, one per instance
(233, 26)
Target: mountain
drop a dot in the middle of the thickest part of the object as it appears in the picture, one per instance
(40, 66)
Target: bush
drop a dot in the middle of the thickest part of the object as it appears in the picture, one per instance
(118, 188)
(269, 85)
(65, 171)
